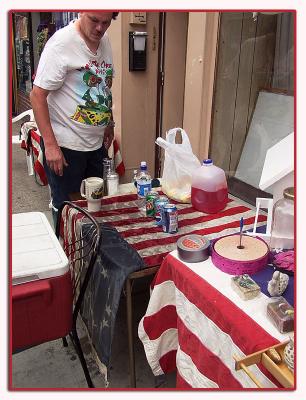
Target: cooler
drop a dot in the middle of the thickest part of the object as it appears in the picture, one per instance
(42, 288)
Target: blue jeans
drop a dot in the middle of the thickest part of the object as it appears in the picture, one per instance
(81, 165)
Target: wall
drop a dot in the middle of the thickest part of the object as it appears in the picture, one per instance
(199, 80)
(189, 67)
(174, 70)
(114, 33)
(135, 103)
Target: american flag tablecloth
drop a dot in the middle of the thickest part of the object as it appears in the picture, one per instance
(195, 323)
(152, 244)
(142, 233)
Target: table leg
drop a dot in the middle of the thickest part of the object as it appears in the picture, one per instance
(130, 332)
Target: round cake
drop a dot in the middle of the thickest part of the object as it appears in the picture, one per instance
(251, 258)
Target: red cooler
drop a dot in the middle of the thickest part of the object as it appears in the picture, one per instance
(42, 288)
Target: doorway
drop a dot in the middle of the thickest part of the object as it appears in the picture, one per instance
(255, 56)
(173, 30)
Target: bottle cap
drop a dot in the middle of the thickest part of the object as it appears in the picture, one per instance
(207, 161)
(143, 165)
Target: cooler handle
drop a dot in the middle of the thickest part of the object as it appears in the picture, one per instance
(24, 292)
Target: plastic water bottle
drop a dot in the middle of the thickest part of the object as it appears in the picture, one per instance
(144, 183)
(209, 188)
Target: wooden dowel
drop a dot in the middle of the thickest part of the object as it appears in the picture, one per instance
(248, 372)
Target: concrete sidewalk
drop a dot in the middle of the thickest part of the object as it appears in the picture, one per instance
(51, 365)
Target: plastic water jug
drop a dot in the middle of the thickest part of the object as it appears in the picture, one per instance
(209, 188)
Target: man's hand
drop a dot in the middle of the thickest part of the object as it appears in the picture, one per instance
(54, 156)
(55, 159)
(108, 136)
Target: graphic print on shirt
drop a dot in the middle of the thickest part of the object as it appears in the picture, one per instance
(98, 79)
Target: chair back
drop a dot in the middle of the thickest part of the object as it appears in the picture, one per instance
(81, 248)
(28, 113)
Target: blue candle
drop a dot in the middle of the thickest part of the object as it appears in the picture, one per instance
(240, 238)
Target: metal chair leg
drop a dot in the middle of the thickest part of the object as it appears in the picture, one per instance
(130, 333)
(65, 343)
(79, 350)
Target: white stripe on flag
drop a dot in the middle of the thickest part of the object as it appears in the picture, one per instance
(211, 336)
(190, 373)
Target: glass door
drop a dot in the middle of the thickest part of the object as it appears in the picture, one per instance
(253, 106)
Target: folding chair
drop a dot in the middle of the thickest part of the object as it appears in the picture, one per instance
(82, 254)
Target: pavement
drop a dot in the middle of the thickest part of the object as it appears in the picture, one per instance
(50, 365)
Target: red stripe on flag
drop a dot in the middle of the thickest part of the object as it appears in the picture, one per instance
(181, 383)
(207, 363)
(182, 223)
(41, 172)
(119, 165)
(157, 323)
(168, 361)
(218, 308)
(118, 199)
(35, 136)
(153, 261)
(173, 239)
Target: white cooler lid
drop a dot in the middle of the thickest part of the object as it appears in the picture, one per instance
(36, 251)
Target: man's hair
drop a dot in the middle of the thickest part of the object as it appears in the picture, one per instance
(115, 15)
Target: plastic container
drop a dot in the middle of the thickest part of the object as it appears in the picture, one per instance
(282, 233)
(280, 312)
(144, 181)
(209, 188)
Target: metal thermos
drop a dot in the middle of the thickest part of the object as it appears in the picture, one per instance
(108, 167)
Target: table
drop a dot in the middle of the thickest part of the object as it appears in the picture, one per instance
(195, 323)
(152, 244)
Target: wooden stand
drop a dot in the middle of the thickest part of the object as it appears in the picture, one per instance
(280, 371)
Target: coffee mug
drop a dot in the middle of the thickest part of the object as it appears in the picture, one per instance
(92, 190)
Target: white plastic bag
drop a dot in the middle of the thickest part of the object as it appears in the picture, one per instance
(179, 164)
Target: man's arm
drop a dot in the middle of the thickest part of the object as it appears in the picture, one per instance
(109, 133)
(54, 156)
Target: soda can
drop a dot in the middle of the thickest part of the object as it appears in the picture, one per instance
(170, 218)
(159, 203)
(150, 198)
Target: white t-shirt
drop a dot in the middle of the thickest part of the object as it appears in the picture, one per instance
(79, 81)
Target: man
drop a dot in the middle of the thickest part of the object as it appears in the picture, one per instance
(72, 103)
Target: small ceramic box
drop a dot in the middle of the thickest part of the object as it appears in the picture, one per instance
(244, 285)
(281, 314)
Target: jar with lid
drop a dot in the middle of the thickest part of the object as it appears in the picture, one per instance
(112, 182)
(108, 167)
(282, 233)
